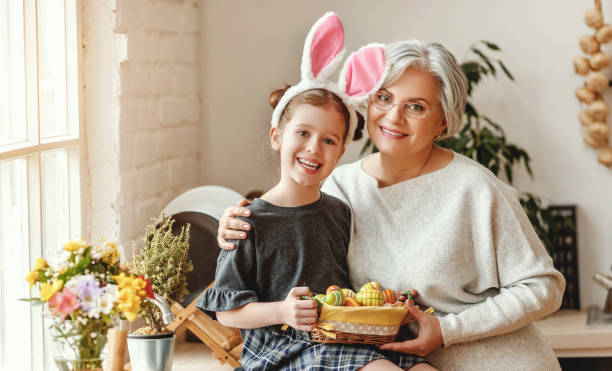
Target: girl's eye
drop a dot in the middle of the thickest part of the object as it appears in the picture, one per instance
(329, 141)
(302, 133)
(414, 107)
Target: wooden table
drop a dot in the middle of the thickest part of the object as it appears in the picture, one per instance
(567, 332)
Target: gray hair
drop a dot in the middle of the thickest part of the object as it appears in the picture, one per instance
(437, 60)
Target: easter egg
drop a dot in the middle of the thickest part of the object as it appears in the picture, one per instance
(332, 288)
(319, 298)
(371, 285)
(390, 296)
(370, 297)
(335, 298)
(348, 293)
(351, 302)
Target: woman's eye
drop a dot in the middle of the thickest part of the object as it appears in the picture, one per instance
(302, 133)
(383, 98)
(328, 141)
(414, 107)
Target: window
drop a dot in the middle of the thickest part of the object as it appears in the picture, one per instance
(40, 198)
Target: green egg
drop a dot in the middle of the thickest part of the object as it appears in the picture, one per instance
(319, 298)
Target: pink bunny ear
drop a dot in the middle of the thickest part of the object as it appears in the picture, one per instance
(323, 47)
(364, 71)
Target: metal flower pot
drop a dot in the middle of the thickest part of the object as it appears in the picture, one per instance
(151, 352)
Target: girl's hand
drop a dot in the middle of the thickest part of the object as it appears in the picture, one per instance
(299, 313)
(231, 228)
(429, 339)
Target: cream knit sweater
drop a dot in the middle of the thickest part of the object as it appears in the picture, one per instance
(460, 237)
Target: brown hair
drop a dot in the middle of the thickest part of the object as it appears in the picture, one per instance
(317, 98)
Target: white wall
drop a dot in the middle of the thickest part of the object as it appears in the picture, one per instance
(249, 48)
(141, 70)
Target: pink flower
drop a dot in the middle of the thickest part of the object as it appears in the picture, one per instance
(64, 302)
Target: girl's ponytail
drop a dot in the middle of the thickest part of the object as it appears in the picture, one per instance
(358, 134)
(276, 95)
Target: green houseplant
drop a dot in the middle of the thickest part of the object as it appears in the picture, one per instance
(163, 261)
(483, 140)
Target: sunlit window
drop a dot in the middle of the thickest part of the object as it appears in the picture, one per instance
(40, 197)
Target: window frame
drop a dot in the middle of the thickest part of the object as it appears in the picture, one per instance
(33, 147)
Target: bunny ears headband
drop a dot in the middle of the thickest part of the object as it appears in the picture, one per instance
(362, 74)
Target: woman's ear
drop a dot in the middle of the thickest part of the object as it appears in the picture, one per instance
(441, 129)
(275, 138)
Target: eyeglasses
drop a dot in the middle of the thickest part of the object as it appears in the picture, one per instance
(409, 110)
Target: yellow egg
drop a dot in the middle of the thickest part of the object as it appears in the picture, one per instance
(373, 285)
(370, 297)
(332, 288)
(335, 298)
(348, 293)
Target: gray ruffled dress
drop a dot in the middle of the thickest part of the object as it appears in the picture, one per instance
(289, 247)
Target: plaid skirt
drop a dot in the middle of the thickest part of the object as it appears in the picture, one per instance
(271, 348)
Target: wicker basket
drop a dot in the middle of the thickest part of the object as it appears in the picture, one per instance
(358, 325)
(319, 336)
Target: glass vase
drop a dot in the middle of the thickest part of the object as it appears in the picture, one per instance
(79, 344)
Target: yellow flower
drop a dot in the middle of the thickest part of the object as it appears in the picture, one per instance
(73, 246)
(129, 303)
(47, 290)
(131, 293)
(32, 277)
(111, 256)
(40, 264)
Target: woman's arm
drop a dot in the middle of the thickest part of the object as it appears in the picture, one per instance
(524, 284)
(297, 313)
(529, 287)
(232, 228)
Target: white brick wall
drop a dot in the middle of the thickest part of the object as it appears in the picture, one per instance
(150, 117)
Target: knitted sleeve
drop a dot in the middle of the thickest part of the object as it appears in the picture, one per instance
(529, 286)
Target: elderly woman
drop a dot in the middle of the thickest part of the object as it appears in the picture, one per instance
(434, 220)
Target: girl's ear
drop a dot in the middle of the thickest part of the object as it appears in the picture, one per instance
(275, 138)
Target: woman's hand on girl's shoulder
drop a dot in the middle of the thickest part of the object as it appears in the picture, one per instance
(429, 339)
(301, 314)
(232, 228)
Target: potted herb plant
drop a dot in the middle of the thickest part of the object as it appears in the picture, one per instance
(163, 262)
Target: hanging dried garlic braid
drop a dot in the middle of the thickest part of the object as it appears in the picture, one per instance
(593, 117)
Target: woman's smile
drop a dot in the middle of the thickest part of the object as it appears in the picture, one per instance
(391, 133)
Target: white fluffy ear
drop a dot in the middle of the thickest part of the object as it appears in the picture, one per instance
(364, 72)
(323, 48)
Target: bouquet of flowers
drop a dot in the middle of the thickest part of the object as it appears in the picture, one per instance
(85, 291)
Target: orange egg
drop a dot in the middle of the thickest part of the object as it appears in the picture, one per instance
(332, 288)
(351, 302)
(390, 296)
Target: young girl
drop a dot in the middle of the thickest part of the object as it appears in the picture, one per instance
(300, 236)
